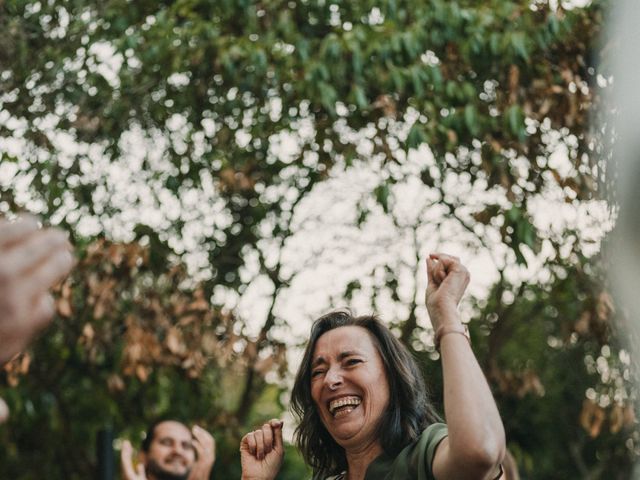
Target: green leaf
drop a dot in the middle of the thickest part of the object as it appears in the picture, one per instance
(469, 91)
(451, 89)
(416, 80)
(397, 78)
(471, 119)
(436, 76)
(518, 43)
(381, 193)
(515, 119)
(352, 287)
(514, 214)
(520, 258)
(494, 43)
(328, 97)
(416, 136)
(360, 97)
(356, 61)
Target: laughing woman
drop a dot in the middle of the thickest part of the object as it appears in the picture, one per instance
(363, 406)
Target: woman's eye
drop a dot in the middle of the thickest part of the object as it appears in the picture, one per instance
(315, 373)
(353, 361)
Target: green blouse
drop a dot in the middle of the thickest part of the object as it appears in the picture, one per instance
(412, 463)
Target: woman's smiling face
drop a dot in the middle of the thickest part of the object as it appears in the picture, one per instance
(349, 385)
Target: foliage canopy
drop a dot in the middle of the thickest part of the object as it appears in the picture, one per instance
(195, 136)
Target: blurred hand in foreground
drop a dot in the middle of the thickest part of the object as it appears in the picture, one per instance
(32, 260)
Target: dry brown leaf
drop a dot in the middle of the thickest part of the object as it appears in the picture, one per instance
(115, 383)
(387, 105)
(98, 311)
(582, 326)
(88, 334)
(592, 417)
(514, 81)
(616, 419)
(264, 365)
(175, 342)
(63, 307)
(209, 343)
(605, 306)
(116, 254)
(142, 373)
(452, 136)
(629, 416)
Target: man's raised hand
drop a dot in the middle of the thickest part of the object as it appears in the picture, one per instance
(205, 447)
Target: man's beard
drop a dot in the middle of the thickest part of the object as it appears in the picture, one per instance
(159, 473)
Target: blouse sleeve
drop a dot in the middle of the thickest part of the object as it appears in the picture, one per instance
(415, 461)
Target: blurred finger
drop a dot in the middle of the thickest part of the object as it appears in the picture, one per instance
(43, 312)
(125, 460)
(212, 449)
(204, 437)
(20, 335)
(267, 436)
(142, 475)
(4, 411)
(11, 232)
(35, 249)
(198, 447)
(48, 273)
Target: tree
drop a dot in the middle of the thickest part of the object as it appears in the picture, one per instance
(200, 132)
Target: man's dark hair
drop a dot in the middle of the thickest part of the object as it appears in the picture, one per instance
(409, 411)
(151, 431)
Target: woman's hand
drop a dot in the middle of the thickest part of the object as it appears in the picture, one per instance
(205, 446)
(262, 452)
(447, 280)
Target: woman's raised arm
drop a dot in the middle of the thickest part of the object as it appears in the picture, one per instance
(475, 445)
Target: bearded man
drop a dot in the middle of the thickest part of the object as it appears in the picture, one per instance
(170, 451)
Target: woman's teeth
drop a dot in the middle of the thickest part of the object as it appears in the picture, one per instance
(343, 406)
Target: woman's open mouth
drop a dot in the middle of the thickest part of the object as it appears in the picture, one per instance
(343, 406)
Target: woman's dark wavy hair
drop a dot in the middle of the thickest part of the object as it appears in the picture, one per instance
(409, 411)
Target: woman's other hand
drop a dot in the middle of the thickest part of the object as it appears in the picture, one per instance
(262, 452)
(447, 281)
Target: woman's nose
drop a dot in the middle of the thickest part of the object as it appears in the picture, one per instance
(333, 378)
